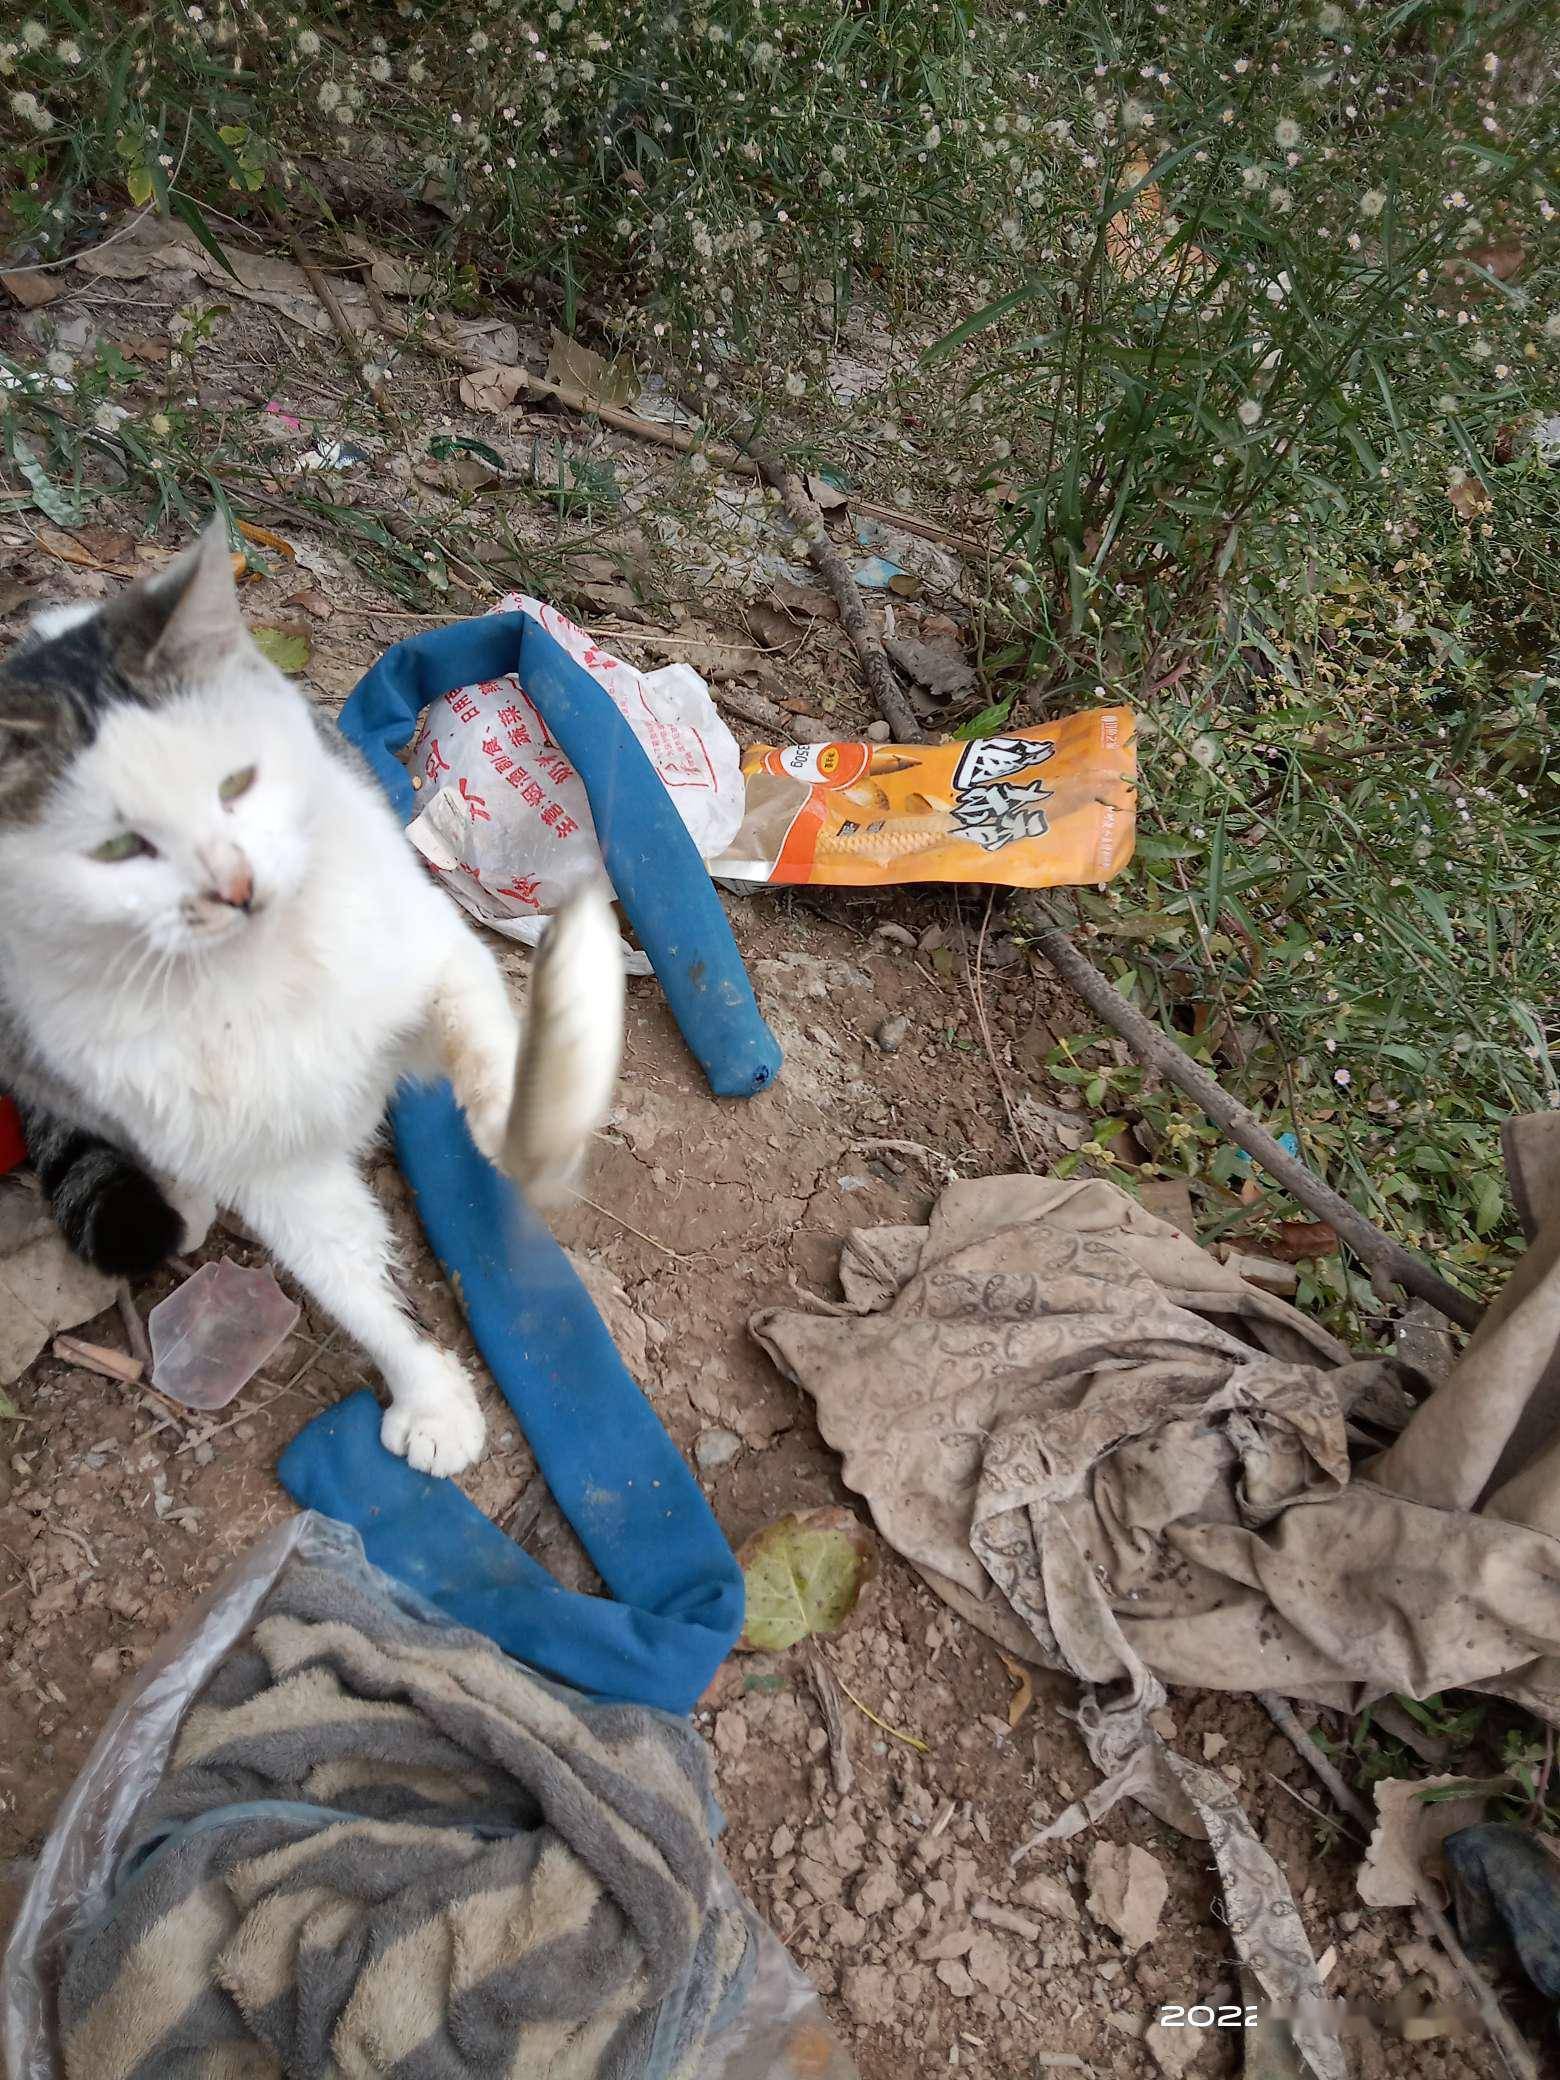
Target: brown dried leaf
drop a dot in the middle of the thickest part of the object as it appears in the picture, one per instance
(1470, 500)
(1024, 1696)
(93, 549)
(827, 497)
(32, 290)
(492, 389)
(1299, 1239)
(576, 367)
(1408, 1835)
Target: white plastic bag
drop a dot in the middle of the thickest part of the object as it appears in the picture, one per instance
(505, 820)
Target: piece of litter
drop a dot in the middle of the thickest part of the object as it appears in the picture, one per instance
(211, 1336)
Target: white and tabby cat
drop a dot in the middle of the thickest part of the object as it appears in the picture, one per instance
(218, 955)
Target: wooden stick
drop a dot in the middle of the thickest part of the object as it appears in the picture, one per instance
(330, 303)
(1514, 2052)
(97, 1357)
(827, 1691)
(892, 703)
(135, 1329)
(1158, 1051)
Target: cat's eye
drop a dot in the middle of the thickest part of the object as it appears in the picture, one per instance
(237, 783)
(128, 845)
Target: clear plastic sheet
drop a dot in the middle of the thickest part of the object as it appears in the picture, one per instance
(778, 2033)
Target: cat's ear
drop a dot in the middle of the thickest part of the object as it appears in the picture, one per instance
(183, 622)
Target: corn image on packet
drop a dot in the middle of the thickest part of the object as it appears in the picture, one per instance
(1035, 808)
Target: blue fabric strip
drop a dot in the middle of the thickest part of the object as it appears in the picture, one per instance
(654, 865)
(615, 1473)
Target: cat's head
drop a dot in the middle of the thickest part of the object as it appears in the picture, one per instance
(159, 777)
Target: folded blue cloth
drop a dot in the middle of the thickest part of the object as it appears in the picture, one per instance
(611, 1466)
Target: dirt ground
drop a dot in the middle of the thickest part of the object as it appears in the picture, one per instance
(933, 1952)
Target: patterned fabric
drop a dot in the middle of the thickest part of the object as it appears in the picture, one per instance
(382, 1847)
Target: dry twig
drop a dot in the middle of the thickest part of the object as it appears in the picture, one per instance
(827, 1691)
(1514, 2052)
(1156, 1050)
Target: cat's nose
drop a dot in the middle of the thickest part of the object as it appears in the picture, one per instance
(232, 877)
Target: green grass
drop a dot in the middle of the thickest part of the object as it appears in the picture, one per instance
(1249, 311)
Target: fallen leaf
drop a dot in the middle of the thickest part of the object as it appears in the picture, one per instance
(1297, 1239)
(1406, 1841)
(9, 1412)
(1503, 261)
(154, 351)
(32, 290)
(99, 550)
(1024, 1696)
(577, 367)
(941, 668)
(1469, 497)
(805, 601)
(827, 497)
(719, 660)
(287, 649)
(492, 389)
(312, 601)
(263, 538)
(803, 1575)
(13, 594)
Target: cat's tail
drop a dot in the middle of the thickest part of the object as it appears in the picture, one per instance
(110, 1210)
(572, 1047)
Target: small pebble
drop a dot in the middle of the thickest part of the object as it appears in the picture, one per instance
(878, 732)
(716, 1448)
(892, 1034)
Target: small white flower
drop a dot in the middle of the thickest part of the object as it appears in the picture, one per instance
(34, 35)
(59, 363)
(1552, 325)
(1249, 412)
(417, 72)
(1253, 177)
(329, 96)
(1354, 241)
(795, 385)
(1287, 133)
(1243, 66)
(479, 41)
(24, 105)
(379, 68)
(1447, 404)
(68, 52)
(1329, 20)
(108, 416)
(1373, 202)
(933, 138)
(1280, 199)
(161, 425)
(308, 43)
(1134, 116)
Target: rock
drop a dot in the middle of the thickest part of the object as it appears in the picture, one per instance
(821, 1880)
(1172, 2050)
(847, 1931)
(1127, 1892)
(868, 1992)
(946, 1943)
(1163, 1723)
(1049, 1896)
(1214, 1745)
(716, 1448)
(105, 1666)
(987, 1964)
(896, 935)
(878, 732)
(878, 1890)
(781, 1843)
(892, 1034)
(957, 1980)
(731, 1735)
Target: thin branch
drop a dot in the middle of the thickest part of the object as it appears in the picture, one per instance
(1514, 2052)
(1156, 1050)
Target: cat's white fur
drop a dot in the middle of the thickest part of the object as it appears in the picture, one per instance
(248, 1055)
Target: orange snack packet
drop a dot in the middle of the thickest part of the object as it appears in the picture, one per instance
(1046, 807)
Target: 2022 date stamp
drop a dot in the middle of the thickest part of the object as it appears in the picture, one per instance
(1200, 2015)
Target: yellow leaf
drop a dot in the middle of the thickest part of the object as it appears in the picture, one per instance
(138, 182)
(1024, 1696)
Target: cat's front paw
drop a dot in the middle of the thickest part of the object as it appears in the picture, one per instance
(436, 1425)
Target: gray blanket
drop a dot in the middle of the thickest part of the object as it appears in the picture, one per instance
(382, 1847)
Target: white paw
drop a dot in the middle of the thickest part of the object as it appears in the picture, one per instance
(487, 1115)
(436, 1427)
(197, 1210)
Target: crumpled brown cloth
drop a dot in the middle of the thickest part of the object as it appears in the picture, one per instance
(1119, 1459)
(1116, 1457)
